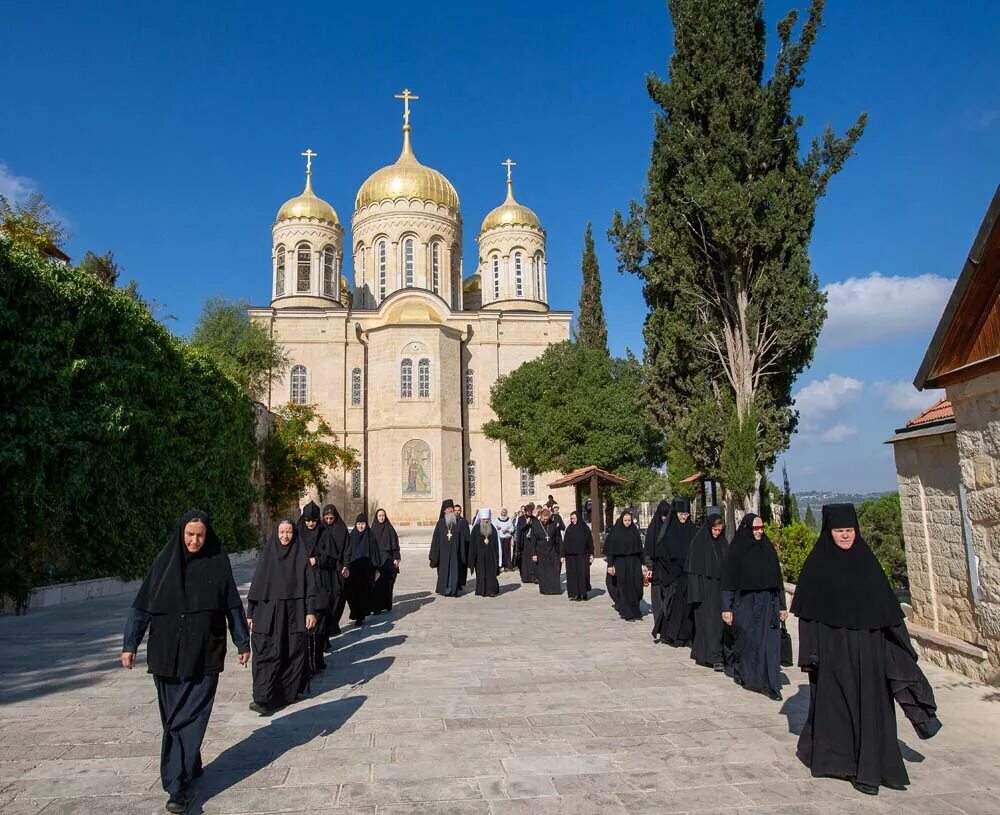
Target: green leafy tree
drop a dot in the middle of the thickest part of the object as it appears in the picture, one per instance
(679, 466)
(298, 454)
(245, 350)
(881, 523)
(810, 519)
(721, 241)
(102, 267)
(32, 223)
(793, 542)
(591, 329)
(738, 462)
(571, 407)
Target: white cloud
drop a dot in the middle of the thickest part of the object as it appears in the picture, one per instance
(15, 187)
(825, 396)
(861, 310)
(902, 397)
(837, 434)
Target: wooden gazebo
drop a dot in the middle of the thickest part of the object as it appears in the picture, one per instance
(595, 478)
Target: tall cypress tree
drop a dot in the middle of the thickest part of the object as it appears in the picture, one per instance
(721, 242)
(591, 329)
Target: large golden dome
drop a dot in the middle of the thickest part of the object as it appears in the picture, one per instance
(510, 213)
(407, 178)
(307, 205)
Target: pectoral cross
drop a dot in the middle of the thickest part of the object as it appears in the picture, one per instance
(310, 155)
(448, 536)
(407, 97)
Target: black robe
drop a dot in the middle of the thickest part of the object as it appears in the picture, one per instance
(578, 551)
(623, 552)
(283, 591)
(337, 539)
(529, 569)
(547, 543)
(665, 551)
(465, 538)
(484, 560)
(186, 601)
(855, 648)
(388, 555)
(319, 546)
(446, 557)
(360, 556)
(704, 593)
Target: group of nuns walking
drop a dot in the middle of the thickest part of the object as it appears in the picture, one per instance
(727, 601)
(306, 574)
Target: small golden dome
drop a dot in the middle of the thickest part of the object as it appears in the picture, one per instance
(307, 205)
(473, 283)
(510, 213)
(407, 178)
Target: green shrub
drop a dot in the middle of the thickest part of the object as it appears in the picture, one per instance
(794, 542)
(110, 428)
(881, 523)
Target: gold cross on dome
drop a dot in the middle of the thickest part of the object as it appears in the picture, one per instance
(508, 164)
(310, 155)
(407, 97)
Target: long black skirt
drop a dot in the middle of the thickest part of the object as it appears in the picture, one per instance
(756, 660)
(549, 572)
(577, 576)
(280, 657)
(628, 571)
(358, 588)
(706, 593)
(529, 569)
(382, 593)
(185, 708)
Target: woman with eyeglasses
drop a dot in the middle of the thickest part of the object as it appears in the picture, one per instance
(753, 604)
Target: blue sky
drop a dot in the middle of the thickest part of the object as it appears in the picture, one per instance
(171, 136)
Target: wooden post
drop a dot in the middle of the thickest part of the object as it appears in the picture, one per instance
(595, 514)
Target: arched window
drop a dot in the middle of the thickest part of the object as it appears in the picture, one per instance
(408, 262)
(356, 481)
(470, 478)
(299, 385)
(279, 272)
(406, 379)
(381, 270)
(456, 276)
(303, 268)
(329, 272)
(436, 267)
(470, 387)
(537, 271)
(496, 277)
(527, 483)
(356, 386)
(518, 274)
(424, 379)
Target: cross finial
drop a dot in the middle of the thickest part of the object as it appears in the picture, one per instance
(310, 155)
(407, 97)
(508, 164)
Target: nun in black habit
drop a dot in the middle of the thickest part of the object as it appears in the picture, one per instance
(623, 553)
(855, 648)
(387, 542)
(665, 552)
(446, 550)
(484, 554)
(578, 553)
(282, 607)
(336, 531)
(319, 546)
(360, 571)
(546, 537)
(704, 591)
(186, 601)
(753, 603)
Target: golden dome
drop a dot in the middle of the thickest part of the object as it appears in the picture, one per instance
(407, 178)
(472, 284)
(510, 213)
(307, 205)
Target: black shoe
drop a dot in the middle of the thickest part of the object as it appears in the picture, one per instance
(177, 803)
(335, 631)
(867, 789)
(358, 623)
(260, 709)
(775, 695)
(718, 667)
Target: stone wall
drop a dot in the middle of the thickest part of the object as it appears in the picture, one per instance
(977, 415)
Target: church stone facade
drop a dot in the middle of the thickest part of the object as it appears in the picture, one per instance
(401, 363)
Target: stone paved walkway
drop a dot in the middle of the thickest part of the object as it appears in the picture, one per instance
(516, 704)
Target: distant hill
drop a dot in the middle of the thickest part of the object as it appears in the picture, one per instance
(816, 499)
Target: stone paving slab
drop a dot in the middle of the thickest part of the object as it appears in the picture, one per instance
(469, 706)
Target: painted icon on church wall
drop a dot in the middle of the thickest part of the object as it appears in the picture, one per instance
(417, 468)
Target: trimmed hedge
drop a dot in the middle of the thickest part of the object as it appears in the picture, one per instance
(110, 429)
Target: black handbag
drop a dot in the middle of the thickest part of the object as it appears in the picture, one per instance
(787, 660)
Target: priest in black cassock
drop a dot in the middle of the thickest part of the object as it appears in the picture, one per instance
(854, 645)
(546, 537)
(337, 533)
(623, 553)
(529, 570)
(465, 538)
(704, 591)
(578, 553)
(485, 554)
(446, 550)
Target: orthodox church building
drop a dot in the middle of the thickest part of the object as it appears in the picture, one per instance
(400, 361)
